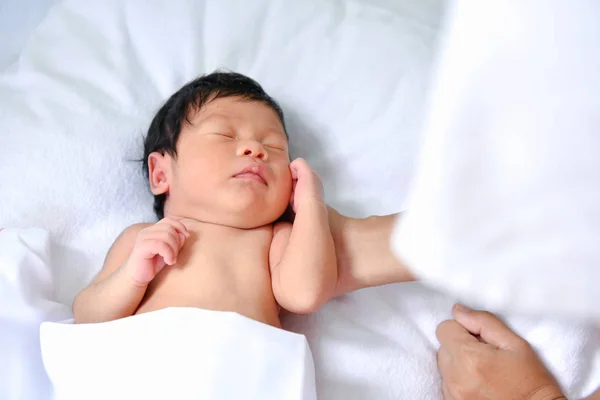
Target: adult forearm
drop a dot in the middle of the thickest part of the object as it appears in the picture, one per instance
(363, 252)
(116, 296)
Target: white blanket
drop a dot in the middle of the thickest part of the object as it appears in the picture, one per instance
(18, 18)
(27, 298)
(384, 345)
(351, 76)
(177, 353)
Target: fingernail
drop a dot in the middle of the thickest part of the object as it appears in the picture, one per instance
(461, 308)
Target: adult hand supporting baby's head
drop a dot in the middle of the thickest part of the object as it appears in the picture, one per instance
(481, 358)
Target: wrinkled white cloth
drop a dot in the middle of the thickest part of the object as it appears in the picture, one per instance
(27, 298)
(380, 343)
(505, 210)
(177, 353)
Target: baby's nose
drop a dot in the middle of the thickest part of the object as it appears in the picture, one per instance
(253, 149)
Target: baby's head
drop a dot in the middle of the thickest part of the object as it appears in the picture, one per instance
(217, 151)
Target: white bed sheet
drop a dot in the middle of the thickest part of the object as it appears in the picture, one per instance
(352, 78)
(18, 18)
(26, 300)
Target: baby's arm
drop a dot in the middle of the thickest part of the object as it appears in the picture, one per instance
(137, 255)
(302, 256)
(112, 294)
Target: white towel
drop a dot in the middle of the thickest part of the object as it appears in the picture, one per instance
(177, 353)
(384, 345)
(506, 203)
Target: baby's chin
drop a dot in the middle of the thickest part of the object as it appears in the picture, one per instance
(253, 214)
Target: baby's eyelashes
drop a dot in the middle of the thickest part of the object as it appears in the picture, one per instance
(274, 147)
(226, 135)
(267, 143)
(275, 144)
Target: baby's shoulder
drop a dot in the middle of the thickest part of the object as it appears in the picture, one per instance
(127, 237)
(132, 230)
(121, 248)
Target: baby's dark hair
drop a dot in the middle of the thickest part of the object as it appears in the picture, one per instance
(166, 125)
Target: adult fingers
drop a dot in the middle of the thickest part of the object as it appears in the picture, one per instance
(487, 326)
(450, 333)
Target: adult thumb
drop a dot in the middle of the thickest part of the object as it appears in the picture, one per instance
(487, 326)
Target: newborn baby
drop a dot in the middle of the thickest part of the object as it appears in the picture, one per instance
(216, 157)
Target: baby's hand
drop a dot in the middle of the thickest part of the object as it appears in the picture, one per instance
(307, 184)
(156, 246)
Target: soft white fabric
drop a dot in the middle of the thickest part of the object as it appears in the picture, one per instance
(351, 77)
(177, 353)
(26, 299)
(506, 203)
(18, 18)
(380, 344)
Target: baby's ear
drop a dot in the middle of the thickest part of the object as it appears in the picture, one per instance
(158, 173)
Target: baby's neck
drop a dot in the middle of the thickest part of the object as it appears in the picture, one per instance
(215, 229)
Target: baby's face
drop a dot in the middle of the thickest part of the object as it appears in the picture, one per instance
(232, 165)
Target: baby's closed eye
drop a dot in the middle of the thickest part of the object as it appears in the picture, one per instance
(274, 144)
(274, 147)
(228, 135)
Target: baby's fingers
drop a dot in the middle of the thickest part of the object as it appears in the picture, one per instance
(176, 239)
(166, 251)
(175, 224)
(299, 168)
(166, 234)
(150, 248)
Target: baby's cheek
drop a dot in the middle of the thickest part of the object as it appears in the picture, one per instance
(284, 187)
(289, 184)
(284, 175)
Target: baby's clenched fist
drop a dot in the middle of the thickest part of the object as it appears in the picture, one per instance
(307, 184)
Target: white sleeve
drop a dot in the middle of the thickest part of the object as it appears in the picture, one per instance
(505, 207)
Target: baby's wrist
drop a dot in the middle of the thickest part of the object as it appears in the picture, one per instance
(312, 202)
(128, 274)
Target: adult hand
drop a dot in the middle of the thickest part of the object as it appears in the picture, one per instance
(363, 253)
(481, 358)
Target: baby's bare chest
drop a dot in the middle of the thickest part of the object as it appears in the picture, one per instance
(219, 272)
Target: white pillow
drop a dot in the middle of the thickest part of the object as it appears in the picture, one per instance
(351, 77)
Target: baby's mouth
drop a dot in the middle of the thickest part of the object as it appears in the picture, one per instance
(253, 173)
(251, 176)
